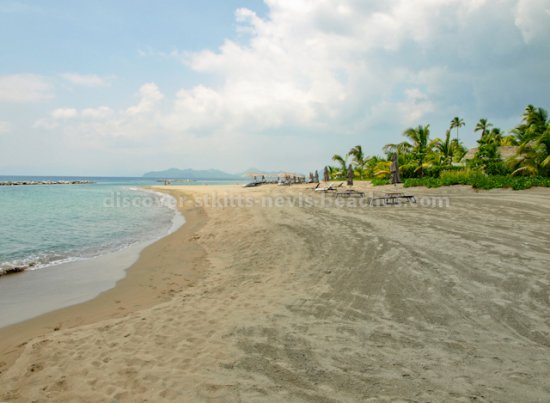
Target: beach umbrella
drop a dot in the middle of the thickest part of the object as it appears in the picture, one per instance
(326, 175)
(394, 169)
(350, 175)
(316, 177)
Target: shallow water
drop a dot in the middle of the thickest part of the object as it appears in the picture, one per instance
(75, 240)
(50, 224)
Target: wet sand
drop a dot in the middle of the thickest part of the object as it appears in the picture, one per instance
(313, 303)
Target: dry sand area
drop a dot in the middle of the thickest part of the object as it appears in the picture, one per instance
(312, 304)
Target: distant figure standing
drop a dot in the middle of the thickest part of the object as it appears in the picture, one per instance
(350, 175)
(316, 176)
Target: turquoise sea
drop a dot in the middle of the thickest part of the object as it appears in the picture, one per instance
(42, 225)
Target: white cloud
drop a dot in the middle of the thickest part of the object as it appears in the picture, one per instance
(68, 117)
(312, 65)
(64, 113)
(87, 80)
(23, 88)
(97, 125)
(315, 75)
(45, 123)
(150, 96)
(414, 107)
(101, 112)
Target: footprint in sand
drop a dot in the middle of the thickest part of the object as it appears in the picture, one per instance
(35, 367)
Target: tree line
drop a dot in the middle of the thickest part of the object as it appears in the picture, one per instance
(420, 156)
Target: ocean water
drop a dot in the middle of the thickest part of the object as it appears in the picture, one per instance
(45, 225)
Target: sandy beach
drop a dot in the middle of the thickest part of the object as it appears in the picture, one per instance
(276, 294)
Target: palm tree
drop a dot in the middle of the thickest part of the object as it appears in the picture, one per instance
(343, 165)
(445, 148)
(402, 148)
(488, 155)
(483, 125)
(509, 141)
(420, 137)
(459, 150)
(359, 159)
(332, 172)
(495, 136)
(532, 159)
(535, 116)
(372, 167)
(382, 169)
(529, 112)
(535, 123)
(457, 123)
(533, 135)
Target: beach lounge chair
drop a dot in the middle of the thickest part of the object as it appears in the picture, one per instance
(392, 199)
(250, 185)
(350, 193)
(330, 188)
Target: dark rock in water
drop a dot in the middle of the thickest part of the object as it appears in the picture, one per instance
(12, 270)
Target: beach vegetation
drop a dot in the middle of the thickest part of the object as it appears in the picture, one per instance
(479, 180)
(419, 137)
(457, 123)
(533, 137)
(340, 171)
(359, 161)
(519, 159)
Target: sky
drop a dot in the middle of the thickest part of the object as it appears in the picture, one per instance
(119, 88)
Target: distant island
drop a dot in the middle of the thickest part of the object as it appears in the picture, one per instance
(174, 173)
(207, 174)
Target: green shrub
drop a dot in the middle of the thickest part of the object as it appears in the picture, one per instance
(432, 171)
(479, 180)
(407, 171)
(455, 177)
(496, 167)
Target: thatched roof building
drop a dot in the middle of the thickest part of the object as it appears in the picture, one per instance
(505, 152)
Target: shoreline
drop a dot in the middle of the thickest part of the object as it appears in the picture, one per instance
(72, 280)
(139, 288)
(81, 254)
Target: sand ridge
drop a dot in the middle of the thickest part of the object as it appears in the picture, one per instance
(324, 304)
